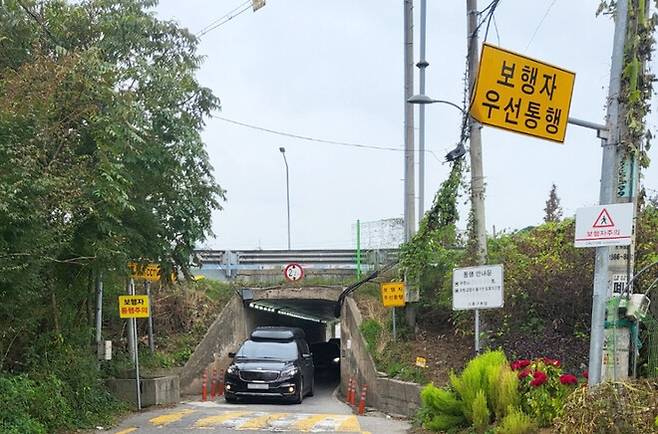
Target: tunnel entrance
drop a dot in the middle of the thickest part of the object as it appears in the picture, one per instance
(322, 329)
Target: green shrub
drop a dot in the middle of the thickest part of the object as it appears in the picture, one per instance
(503, 390)
(480, 412)
(371, 330)
(475, 377)
(440, 409)
(516, 422)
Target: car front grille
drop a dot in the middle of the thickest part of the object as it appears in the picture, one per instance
(259, 375)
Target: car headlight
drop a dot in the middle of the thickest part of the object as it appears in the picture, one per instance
(336, 360)
(289, 372)
(232, 370)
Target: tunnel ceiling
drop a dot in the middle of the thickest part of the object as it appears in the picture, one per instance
(321, 311)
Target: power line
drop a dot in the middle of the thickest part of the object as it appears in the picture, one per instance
(548, 10)
(315, 139)
(225, 18)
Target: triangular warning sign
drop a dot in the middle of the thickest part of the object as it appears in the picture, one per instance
(603, 220)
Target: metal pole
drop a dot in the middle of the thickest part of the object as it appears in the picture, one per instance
(477, 331)
(477, 174)
(409, 183)
(409, 199)
(131, 328)
(394, 327)
(99, 313)
(287, 192)
(422, 65)
(137, 388)
(147, 287)
(600, 290)
(358, 249)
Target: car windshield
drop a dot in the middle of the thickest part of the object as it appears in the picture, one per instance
(268, 350)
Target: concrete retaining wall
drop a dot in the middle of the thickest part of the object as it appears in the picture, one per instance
(155, 391)
(385, 394)
(226, 334)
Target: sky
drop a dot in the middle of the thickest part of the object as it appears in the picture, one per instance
(333, 70)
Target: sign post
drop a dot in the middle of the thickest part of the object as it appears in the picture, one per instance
(520, 94)
(475, 288)
(393, 296)
(132, 307)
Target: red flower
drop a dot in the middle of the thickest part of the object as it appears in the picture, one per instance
(568, 379)
(551, 362)
(520, 364)
(586, 374)
(539, 378)
(524, 374)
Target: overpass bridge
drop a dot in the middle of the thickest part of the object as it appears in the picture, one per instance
(257, 266)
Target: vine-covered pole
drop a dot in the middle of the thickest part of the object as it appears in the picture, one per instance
(606, 194)
(477, 174)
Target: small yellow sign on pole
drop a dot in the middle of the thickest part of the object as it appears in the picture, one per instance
(521, 94)
(392, 294)
(150, 272)
(421, 362)
(134, 306)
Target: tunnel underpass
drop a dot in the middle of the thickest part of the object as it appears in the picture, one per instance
(322, 329)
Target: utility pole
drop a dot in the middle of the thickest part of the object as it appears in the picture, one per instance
(606, 196)
(422, 65)
(477, 174)
(409, 196)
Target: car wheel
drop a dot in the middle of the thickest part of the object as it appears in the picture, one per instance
(299, 397)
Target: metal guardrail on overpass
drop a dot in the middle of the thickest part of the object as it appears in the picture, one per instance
(264, 265)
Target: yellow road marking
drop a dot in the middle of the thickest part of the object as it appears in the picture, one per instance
(126, 431)
(308, 422)
(218, 420)
(261, 421)
(351, 424)
(166, 419)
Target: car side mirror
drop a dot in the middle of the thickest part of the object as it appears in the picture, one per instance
(231, 354)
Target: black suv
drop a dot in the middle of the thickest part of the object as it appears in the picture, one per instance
(274, 362)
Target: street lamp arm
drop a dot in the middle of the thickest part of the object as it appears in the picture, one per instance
(424, 99)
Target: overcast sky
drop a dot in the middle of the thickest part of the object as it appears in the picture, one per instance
(334, 70)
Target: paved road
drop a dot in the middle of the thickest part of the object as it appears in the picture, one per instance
(321, 413)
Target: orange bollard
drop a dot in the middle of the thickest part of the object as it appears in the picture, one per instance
(362, 402)
(213, 381)
(348, 391)
(204, 386)
(355, 386)
(220, 384)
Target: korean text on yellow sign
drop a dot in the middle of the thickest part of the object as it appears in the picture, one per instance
(151, 272)
(133, 306)
(520, 94)
(392, 294)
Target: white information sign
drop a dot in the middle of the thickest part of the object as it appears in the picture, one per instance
(477, 287)
(604, 225)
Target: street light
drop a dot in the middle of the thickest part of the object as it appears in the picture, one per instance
(283, 152)
(459, 150)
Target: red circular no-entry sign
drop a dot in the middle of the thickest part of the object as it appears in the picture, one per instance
(293, 272)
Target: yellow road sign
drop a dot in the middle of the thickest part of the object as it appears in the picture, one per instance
(421, 362)
(521, 94)
(134, 306)
(392, 294)
(150, 272)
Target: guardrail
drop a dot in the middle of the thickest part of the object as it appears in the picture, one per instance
(263, 265)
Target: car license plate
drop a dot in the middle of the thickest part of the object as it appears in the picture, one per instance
(259, 386)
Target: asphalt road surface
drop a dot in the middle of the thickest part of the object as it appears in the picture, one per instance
(322, 413)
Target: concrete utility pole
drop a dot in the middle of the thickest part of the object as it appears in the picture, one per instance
(477, 174)
(99, 313)
(422, 65)
(409, 196)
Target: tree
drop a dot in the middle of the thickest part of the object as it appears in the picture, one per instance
(553, 210)
(101, 158)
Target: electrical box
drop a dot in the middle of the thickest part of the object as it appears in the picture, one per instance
(638, 306)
